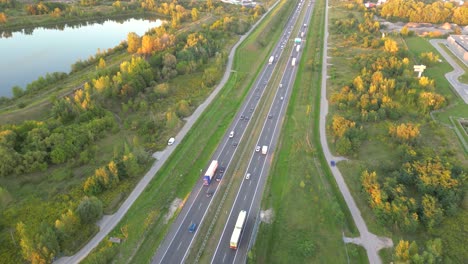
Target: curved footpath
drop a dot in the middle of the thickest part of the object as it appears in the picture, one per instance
(452, 77)
(108, 222)
(369, 241)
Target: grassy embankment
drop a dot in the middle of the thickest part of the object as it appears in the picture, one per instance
(310, 216)
(374, 151)
(143, 226)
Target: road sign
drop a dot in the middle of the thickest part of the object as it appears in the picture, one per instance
(419, 69)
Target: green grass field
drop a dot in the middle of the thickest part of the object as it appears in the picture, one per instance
(309, 219)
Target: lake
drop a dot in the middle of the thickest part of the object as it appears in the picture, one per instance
(25, 57)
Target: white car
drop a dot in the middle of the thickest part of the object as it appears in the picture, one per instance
(231, 135)
(247, 176)
(257, 148)
(171, 141)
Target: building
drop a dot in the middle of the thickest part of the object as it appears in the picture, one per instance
(459, 46)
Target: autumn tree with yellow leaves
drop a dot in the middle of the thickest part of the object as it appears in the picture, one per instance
(405, 132)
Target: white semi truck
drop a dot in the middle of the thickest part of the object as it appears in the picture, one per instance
(236, 234)
(293, 62)
(272, 58)
(210, 172)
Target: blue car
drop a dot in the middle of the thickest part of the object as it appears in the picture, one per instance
(192, 227)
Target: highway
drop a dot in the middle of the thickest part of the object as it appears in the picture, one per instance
(249, 195)
(176, 245)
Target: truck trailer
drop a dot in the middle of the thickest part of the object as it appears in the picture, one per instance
(298, 47)
(293, 62)
(302, 34)
(272, 58)
(210, 172)
(264, 150)
(236, 234)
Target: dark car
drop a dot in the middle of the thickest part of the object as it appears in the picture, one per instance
(270, 116)
(192, 227)
(221, 169)
(209, 194)
(234, 144)
(242, 117)
(218, 178)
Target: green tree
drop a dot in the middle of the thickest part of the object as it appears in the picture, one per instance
(38, 246)
(89, 210)
(67, 226)
(17, 91)
(432, 213)
(183, 108)
(343, 146)
(9, 159)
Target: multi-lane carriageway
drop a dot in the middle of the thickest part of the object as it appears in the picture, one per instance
(175, 247)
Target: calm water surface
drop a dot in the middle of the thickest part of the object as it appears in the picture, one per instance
(24, 58)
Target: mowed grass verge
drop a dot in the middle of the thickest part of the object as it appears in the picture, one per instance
(309, 213)
(143, 227)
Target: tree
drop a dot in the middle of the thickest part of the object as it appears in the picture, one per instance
(432, 213)
(340, 125)
(9, 159)
(67, 226)
(38, 246)
(194, 14)
(429, 101)
(404, 132)
(133, 42)
(343, 146)
(147, 45)
(89, 210)
(402, 252)
(101, 64)
(3, 18)
(432, 175)
(390, 46)
(161, 90)
(372, 188)
(183, 108)
(404, 31)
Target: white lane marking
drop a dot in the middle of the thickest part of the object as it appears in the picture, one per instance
(179, 245)
(199, 206)
(250, 182)
(245, 197)
(224, 258)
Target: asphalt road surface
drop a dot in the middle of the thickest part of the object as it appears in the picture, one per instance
(250, 192)
(452, 77)
(177, 242)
